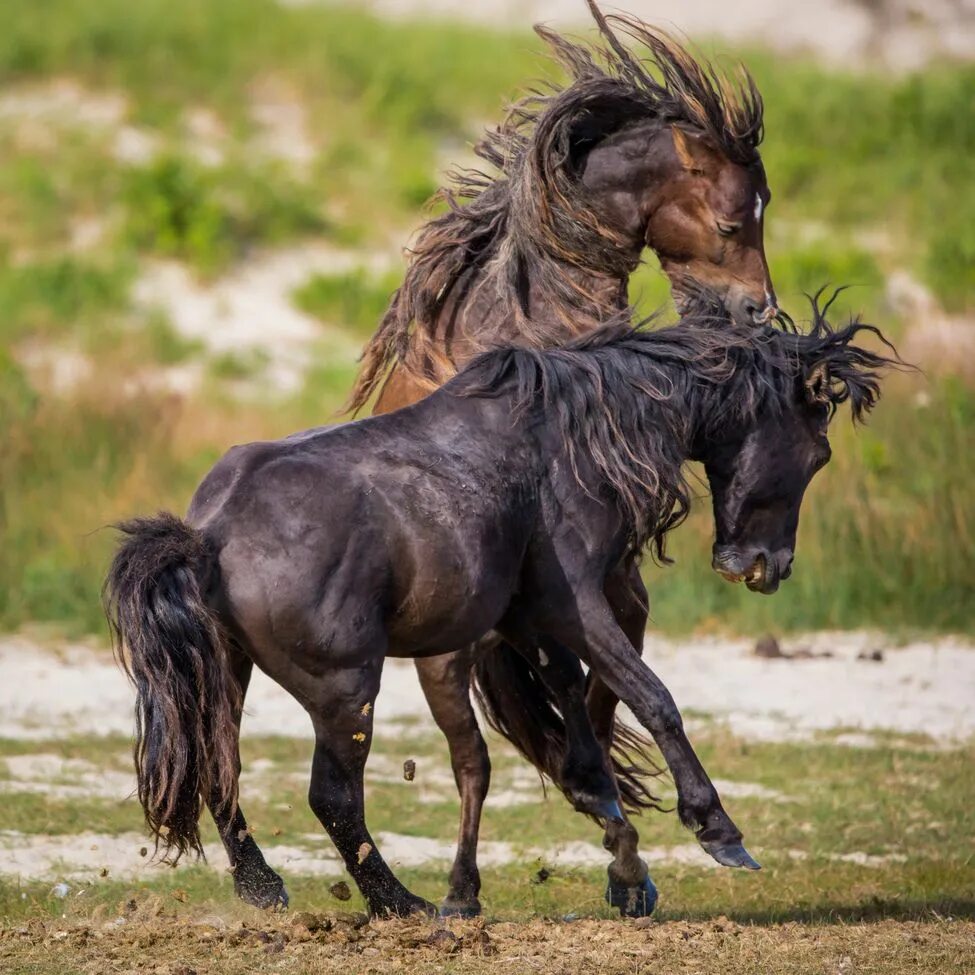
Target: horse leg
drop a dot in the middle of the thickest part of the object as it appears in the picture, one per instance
(446, 682)
(630, 887)
(254, 881)
(616, 662)
(585, 776)
(341, 708)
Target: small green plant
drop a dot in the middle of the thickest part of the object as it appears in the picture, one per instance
(208, 217)
(355, 300)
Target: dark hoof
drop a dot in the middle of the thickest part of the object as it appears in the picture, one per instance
(633, 901)
(610, 812)
(404, 907)
(730, 854)
(267, 895)
(604, 808)
(456, 908)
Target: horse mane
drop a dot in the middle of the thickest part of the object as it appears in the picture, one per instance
(530, 213)
(630, 398)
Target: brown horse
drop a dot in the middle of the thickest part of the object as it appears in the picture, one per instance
(589, 175)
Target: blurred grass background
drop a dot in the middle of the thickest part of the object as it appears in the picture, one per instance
(872, 183)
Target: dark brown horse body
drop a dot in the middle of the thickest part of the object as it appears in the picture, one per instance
(528, 482)
(589, 175)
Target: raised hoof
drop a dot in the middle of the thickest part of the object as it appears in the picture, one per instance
(270, 895)
(636, 901)
(730, 854)
(468, 909)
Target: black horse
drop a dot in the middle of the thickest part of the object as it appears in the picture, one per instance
(507, 501)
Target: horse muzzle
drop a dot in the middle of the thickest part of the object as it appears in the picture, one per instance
(760, 571)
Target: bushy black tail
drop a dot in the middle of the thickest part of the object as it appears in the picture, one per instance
(174, 649)
(516, 703)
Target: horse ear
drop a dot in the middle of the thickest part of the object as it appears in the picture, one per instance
(818, 384)
(691, 152)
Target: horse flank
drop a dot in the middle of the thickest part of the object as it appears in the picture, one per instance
(531, 213)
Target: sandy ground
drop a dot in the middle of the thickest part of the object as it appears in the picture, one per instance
(920, 688)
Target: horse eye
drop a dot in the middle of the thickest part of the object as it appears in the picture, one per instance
(726, 229)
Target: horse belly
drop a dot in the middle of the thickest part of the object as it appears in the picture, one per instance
(457, 590)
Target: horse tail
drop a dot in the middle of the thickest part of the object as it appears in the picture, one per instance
(175, 651)
(517, 704)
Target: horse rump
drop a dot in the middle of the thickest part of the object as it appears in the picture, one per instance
(517, 704)
(175, 651)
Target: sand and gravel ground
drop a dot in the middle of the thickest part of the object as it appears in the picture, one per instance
(850, 775)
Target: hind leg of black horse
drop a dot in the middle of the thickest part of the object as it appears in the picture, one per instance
(341, 703)
(589, 628)
(446, 681)
(254, 881)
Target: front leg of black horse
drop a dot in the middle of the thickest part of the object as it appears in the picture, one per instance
(611, 655)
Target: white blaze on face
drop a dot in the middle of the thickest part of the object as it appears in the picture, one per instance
(758, 207)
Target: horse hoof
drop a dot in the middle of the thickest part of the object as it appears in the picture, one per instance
(463, 909)
(731, 854)
(267, 896)
(406, 907)
(636, 901)
(610, 812)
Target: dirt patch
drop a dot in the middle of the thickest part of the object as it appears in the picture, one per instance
(153, 938)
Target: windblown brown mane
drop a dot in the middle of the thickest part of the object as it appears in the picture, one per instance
(531, 213)
(631, 399)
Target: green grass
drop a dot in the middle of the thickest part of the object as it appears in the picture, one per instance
(905, 803)
(852, 157)
(356, 300)
(908, 804)
(208, 217)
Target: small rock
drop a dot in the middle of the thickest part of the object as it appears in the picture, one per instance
(443, 939)
(872, 656)
(305, 919)
(340, 891)
(409, 770)
(768, 647)
(276, 944)
(480, 942)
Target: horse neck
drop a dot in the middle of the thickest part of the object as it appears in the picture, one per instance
(542, 302)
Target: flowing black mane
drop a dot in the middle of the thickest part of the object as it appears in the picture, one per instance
(531, 213)
(631, 398)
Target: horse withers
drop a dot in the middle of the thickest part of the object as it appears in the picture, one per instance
(509, 500)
